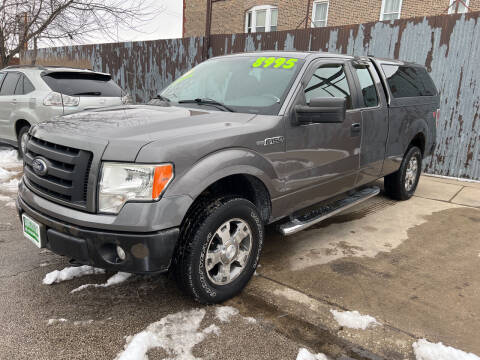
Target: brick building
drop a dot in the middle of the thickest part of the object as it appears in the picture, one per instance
(237, 16)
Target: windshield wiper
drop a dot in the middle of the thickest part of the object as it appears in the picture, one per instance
(207, 102)
(163, 98)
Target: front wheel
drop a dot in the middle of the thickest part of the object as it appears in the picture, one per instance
(402, 184)
(220, 244)
(22, 140)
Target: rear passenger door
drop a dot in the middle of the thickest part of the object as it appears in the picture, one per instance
(374, 121)
(7, 101)
(22, 92)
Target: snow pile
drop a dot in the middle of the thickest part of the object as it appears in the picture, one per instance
(223, 313)
(9, 159)
(55, 321)
(304, 354)
(5, 174)
(425, 350)
(176, 333)
(353, 319)
(10, 186)
(113, 280)
(69, 273)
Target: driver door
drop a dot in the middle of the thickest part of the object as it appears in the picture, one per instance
(322, 159)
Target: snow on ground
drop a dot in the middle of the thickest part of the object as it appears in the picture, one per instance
(353, 319)
(4, 174)
(82, 322)
(9, 159)
(250, 320)
(55, 321)
(425, 350)
(69, 273)
(76, 323)
(223, 313)
(113, 280)
(10, 171)
(304, 354)
(212, 329)
(176, 333)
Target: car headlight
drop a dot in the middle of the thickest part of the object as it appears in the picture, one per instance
(120, 183)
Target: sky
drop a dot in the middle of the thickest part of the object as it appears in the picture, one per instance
(165, 24)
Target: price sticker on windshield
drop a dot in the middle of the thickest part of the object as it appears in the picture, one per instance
(274, 63)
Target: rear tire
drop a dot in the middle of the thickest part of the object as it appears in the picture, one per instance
(21, 140)
(219, 246)
(402, 184)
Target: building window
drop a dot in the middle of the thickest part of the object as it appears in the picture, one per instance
(462, 6)
(391, 9)
(261, 19)
(319, 13)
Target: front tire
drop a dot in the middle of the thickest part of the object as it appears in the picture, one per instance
(402, 184)
(22, 141)
(220, 243)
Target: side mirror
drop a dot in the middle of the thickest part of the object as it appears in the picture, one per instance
(322, 110)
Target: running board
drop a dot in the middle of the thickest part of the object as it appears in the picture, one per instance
(329, 210)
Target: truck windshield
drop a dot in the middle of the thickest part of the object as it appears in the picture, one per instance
(249, 84)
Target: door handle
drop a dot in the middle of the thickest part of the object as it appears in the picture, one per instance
(14, 101)
(355, 129)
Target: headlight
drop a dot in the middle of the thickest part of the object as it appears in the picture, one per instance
(120, 183)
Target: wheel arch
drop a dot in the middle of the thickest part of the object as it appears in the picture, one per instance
(230, 172)
(19, 124)
(419, 140)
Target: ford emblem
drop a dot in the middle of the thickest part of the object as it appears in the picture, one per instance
(39, 166)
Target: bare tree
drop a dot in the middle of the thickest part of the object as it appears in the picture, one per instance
(24, 23)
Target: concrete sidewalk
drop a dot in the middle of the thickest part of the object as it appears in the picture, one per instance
(412, 265)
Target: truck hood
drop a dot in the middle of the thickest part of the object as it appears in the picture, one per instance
(123, 130)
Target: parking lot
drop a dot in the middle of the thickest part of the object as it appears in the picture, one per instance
(412, 266)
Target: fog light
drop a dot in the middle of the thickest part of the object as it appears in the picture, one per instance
(121, 253)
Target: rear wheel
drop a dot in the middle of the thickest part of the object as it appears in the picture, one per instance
(22, 140)
(402, 184)
(220, 244)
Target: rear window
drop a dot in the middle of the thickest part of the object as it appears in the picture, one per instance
(409, 81)
(82, 84)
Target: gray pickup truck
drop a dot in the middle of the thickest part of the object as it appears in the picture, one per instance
(187, 183)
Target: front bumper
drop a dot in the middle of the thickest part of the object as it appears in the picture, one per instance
(145, 252)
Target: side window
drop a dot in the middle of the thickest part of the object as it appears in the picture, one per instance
(369, 92)
(329, 81)
(409, 81)
(27, 85)
(9, 83)
(2, 76)
(19, 88)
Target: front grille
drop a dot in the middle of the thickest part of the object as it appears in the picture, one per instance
(67, 175)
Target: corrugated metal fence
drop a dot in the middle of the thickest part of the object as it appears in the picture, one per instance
(449, 45)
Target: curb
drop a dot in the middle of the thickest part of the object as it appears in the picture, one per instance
(309, 321)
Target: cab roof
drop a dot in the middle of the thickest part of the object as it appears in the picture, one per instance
(318, 54)
(296, 54)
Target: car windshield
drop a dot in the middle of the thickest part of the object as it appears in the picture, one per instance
(249, 84)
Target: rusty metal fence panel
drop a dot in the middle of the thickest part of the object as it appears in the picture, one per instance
(448, 45)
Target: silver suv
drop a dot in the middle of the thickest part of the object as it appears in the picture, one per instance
(32, 94)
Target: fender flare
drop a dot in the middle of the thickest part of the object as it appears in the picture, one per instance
(223, 163)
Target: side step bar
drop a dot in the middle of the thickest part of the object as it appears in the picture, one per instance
(329, 210)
